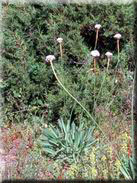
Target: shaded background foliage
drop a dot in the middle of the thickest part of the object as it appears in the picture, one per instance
(30, 89)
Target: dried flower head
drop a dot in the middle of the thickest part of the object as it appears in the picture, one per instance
(59, 40)
(116, 81)
(97, 26)
(46, 126)
(50, 58)
(95, 53)
(109, 54)
(117, 36)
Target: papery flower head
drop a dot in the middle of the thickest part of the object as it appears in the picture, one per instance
(109, 54)
(95, 53)
(46, 126)
(116, 81)
(97, 26)
(117, 36)
(50, 58)
(59, 40)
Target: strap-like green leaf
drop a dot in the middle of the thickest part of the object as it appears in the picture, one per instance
(125, 172)
(50, 151)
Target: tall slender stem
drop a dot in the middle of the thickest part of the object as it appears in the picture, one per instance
(118, 45)
(94, 64)
(118, 52)
(108, 64)
(76, 99)
(61, 52)
(96, 38)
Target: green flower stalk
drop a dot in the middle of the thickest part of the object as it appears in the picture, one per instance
(60, 40)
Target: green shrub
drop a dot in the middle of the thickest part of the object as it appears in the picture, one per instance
(30, 88)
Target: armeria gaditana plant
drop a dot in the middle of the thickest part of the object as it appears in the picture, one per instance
(49, 59)
(95, 54)
(109, 57)
(97, 27)
(60, 40)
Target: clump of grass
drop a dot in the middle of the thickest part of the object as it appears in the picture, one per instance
(67, 142)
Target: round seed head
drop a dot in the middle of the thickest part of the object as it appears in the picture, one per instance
(97, 26)
(95, 53)
(109, 54)
(50, 58)
(46, 126)
(116, 81)
(59, 40)
(117, 36)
